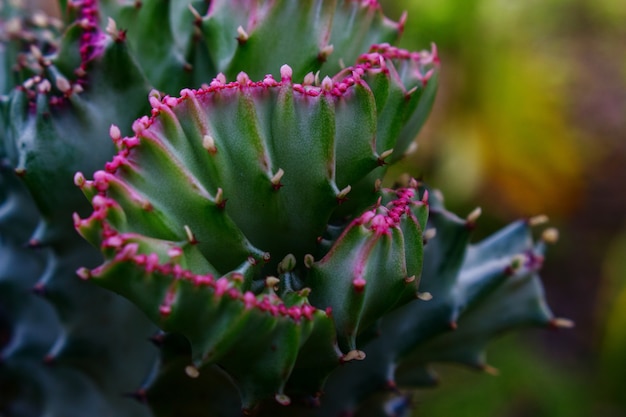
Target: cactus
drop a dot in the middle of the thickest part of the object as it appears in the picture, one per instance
(226, 245)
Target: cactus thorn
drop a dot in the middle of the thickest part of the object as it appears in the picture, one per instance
(341, 197)
(383, 156)
(272, 282)
(242, 35)
(287, 264)
(191, 238)
(83, 273)
(325, 53)
(327, 84)
(196, 15)
(282, 399)
(354, 354)
(309, 260)
(473, 216)
(424, 296)
(378, 185)
(112, 29)
(276, 184)
(538, 220)
(488, 369)
(208, 143)
(429, 234)
(192, 371)
(550, 235)
(63, 85)
(252, 260)
(561, 323)
(220, 201)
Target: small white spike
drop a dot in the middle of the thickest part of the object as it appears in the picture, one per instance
(208, 143)
(277, 177)
(195, 13)
(63, 84)
(358, 355)
(111, 28)
(550, 235)
(343, 193)
(219, 196)
(309, 79)
(190, 237)
(242, 35)
(429, 234)
(474, 215)
(192, 371)
(272, 282)
(326, 51)
(538, 220)
(386, 154)
(424, 296)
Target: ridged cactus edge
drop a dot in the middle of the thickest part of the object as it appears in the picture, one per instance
(240, 208)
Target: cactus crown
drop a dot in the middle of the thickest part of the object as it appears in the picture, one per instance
(240, 208)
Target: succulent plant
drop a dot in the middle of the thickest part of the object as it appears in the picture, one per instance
(244, 255)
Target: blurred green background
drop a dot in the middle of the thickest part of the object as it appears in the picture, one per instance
(531, 119)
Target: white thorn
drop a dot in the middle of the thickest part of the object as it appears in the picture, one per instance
(386, 154)
(192, 371)
(190, 237)
(474, 215)
(326, 51)
(430, 234)
(358, 355)
(424, 296)
(194, 12)
(562, 323)
(538, 220)
(44, 86)
(327, 84)
(63, 84)
(219, 196)
(208, 143)
(309, 260)
(271, 282)
(242, 35)
(277, 177)
(111, 28)
(36, 52)
(343, 193)
(550, 235)
(282, 399)
(309, 79)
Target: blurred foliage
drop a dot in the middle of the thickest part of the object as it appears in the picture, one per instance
(503, 105)
(531, 118)
(527, 385)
